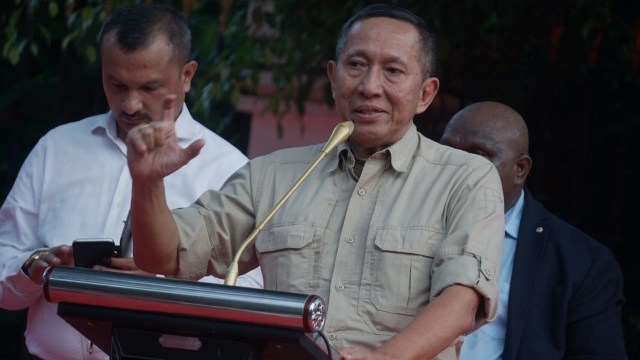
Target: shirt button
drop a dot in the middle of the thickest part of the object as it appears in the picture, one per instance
(350, 240)
(361, 192)
(339, 287)
(332, 336)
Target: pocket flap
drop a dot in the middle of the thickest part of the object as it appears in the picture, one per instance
(279, 237)
(418, 241)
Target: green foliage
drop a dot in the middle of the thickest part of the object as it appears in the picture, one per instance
(292, 44)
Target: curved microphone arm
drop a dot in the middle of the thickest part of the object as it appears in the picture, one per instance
(338, 136)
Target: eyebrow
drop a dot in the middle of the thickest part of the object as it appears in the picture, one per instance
(387, 58)
(151, 83)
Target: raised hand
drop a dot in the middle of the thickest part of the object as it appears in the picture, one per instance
(152, 149)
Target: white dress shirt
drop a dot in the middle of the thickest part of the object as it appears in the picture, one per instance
(487, 342)
(75, 184)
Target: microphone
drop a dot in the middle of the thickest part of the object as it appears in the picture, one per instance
(340, 133)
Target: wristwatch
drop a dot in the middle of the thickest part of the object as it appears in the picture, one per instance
(31, 259)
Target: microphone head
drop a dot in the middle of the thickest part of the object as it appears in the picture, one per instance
(340, 133)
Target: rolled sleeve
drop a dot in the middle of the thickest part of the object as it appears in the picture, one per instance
(213, 228)
(194, 247)
(472, 271)
(471, 251)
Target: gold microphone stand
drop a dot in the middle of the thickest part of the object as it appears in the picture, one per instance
(339, 135)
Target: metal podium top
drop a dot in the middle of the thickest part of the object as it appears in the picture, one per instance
(184, 297)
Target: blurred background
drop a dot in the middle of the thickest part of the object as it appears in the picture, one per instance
(570, 67)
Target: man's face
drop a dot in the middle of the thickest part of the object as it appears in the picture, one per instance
(135, 83)
(377, 82)
(494, 145)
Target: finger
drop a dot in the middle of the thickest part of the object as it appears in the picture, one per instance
(64, 253)
(135, 142)
(169, 108)
(135, 272)
(147, 134)
(36, 271)
(139, 128)
(122, 263)
(166, 124)
(142, 137)
(106, 268)
(164, 131)
(141, 272)
(42, 261)
(49, 258)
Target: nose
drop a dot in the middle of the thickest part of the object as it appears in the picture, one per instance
(131, 103)
(371, 82)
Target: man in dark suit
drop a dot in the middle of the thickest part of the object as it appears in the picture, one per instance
(560, 290)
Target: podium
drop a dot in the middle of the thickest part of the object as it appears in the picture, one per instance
(140, 317)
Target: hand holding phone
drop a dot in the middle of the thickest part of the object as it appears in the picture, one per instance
(90, 252)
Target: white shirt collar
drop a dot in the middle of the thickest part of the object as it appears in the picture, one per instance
(513, 216)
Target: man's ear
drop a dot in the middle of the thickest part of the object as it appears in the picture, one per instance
(523, 166)
(428, 93)
(188, 71)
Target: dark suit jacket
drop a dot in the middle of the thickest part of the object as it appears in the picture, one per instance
(566, 293)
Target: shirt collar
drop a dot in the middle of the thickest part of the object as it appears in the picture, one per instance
(105, 124)
(400, 153)
(513, 216)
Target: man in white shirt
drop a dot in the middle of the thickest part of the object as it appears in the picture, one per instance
(76, 184)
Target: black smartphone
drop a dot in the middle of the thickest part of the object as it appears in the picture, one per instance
(90, 252)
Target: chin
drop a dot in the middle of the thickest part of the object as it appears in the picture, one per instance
(365, 138)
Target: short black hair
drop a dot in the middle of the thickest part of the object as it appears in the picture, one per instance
(427, 37)
(135, 26)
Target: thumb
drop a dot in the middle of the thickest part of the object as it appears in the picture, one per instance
(192, 150)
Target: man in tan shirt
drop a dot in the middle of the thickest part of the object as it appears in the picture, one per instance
(399, 235)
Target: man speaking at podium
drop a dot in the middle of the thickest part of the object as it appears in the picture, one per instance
(399, 235)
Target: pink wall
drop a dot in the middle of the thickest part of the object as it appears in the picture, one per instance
(312, 128)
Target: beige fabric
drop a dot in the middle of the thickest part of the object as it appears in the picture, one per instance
(421, 217)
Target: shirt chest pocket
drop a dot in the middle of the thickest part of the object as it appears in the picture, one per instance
(286, 256)
(401, 269)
